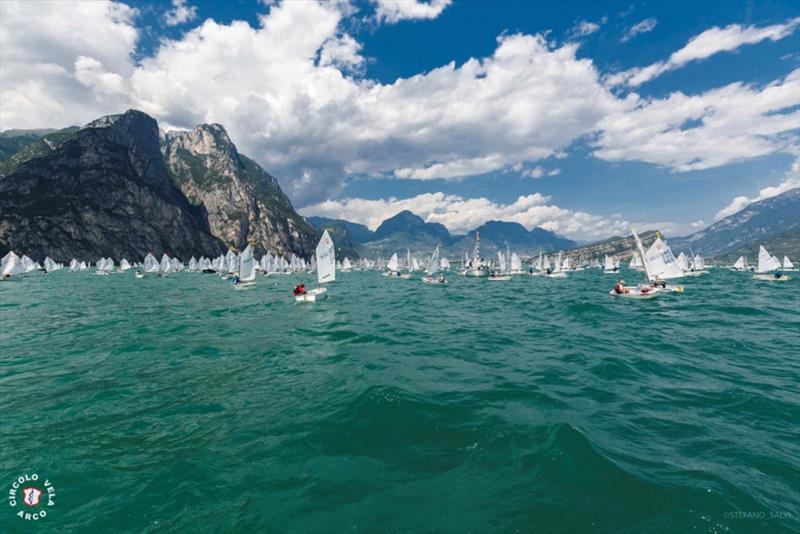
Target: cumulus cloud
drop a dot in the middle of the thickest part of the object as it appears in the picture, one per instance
(180, 13)
(291, 92)
(645, 26)
(704, 45)
(792, 180)
(538, 172)
(693, 132)
(393, 11)
(460, 214)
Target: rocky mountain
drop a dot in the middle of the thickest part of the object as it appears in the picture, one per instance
(497, 234)
(344, 233)
(406, 230)
(243, 202)
(621, 247)
(116, 187)
(758, 222)
(100, 190)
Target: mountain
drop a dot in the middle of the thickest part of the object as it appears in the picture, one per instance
(98, 191)
(780, 245)
(747, 228)
(412, 225)
(622, 247)
(116, 187)
(496, 234)
(244, 203)
(344, 233)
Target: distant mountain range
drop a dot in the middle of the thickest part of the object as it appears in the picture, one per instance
(406, 230)
(755, 224)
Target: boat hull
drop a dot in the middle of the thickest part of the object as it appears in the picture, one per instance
(434, 281)
(501, 278)
(241, 286)
(641, 292)
(477, 272)
(313, 295)
(771, 278)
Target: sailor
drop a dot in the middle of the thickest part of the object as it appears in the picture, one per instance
(620, 288)
(299, 289)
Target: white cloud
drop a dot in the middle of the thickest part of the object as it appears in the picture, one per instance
(714, 128)
(584, 28)
(292, 95)
(180, 13)
(739, 203)
(644, 26)
(393, 11)
(48, 53)
(704, 45)
(460, 215)
(538, 172)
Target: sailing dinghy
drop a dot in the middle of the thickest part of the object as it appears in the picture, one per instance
(433, 268)
(326, 270)
(247, 270)
(769, 268)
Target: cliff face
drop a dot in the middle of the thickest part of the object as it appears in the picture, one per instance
(102, 191)
(245, 205)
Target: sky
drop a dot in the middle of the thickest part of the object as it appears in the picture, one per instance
(585, 118)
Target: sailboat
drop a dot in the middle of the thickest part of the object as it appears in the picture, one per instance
(124, 265)
(787, 264)
(11, 267)
(516, 264)
(247, 271)
(503, 261)
(697, 267)
(609, 266)
(326, 270)
(149, 266)
(346, 265)
(556, 271)
(393, 266)
(444, 264)
(769, 268)
(660, 265)
(649, 290)
(475, 266)
(433, 268)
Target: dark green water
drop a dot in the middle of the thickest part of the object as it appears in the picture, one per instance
(180, 405)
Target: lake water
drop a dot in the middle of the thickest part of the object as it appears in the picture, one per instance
(533, 405)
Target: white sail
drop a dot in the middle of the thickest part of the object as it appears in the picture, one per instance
(660, 262)
(767, 263)
(433, 264)
(683, 262)
(608, 263)
(326, 259)
(108, 265)
(231, 261)
(394, 263)
(444, 264)
(697, 263)
(150, 264)
(414, 264)
(192, 264)
(501, 261)
(545, 264)
(247, 271)
(516, 263)
(557, 264)
(565, 265)
(28, 264)
(50, 265)
(11, 265)
(787, 264)
(124, 265)
(83, 266)
(166, 264)
(73, 265)
(739, 264)
(346, 265)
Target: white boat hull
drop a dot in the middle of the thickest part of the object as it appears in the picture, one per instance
(477, 272)
(313, 295)
(641, 292)
(434, 281)
(769, 277)
(241, 286)
(500, 278)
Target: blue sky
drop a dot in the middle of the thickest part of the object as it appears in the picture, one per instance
(582, 117)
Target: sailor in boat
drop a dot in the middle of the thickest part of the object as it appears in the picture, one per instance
(235, 279)
(620, 288)
(299, 289)
(659, 282)
(550, 271)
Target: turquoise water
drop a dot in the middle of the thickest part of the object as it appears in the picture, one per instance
(535, 405)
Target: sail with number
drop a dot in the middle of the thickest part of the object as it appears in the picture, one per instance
(659, 261)
(326, 259)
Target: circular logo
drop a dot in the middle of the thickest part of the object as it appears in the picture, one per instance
(30, 497)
